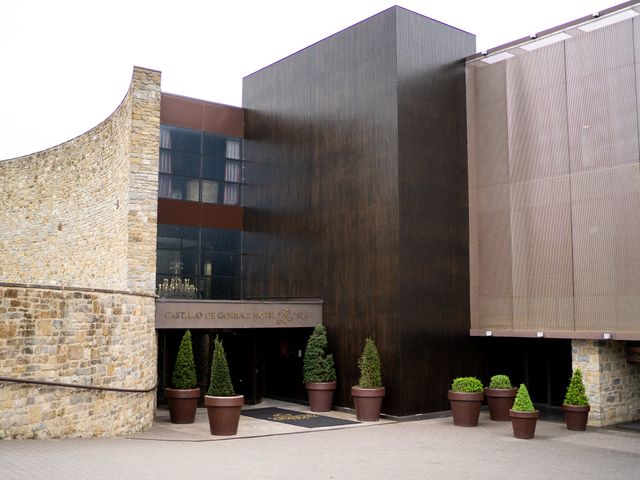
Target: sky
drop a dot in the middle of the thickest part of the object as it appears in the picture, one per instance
(65, 65)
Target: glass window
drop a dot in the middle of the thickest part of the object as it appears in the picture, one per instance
(213, 168)
(208, 257)
(233, 149)
(211, 191)
(218, 264)
(180, 163)
(214, 145)
(179, 188)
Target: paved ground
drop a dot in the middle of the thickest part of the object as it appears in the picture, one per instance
(428, 449)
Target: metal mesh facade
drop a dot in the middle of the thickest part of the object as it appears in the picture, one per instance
(554, 187)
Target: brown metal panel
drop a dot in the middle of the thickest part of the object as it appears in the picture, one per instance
(606, 231)
(195, 214)
(223, 119)
(200, 115)
(494, 282)
(181, 111)
(603, 123)
(537, 112)
(542, 255)
(599, 51)
(489, 202)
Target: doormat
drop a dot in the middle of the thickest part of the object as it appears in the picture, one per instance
(291, 417)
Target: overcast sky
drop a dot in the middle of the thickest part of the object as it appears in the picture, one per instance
(66, 64)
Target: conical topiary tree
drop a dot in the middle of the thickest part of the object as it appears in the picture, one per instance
(576, 394)
(221, 385)
(523, 401)
(318, 365)
(369, 363)
(184, 373)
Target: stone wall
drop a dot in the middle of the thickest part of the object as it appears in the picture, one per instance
(87, 338)
(612, 384)
(77, 276)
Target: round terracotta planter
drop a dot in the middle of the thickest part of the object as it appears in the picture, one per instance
(182, 404)
(500, 401)
(465, 407)
(524, 423)
(224, 414)
(320, 396)
(368, 403)
(576, 417)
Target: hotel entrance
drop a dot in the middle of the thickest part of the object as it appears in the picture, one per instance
(264, 343)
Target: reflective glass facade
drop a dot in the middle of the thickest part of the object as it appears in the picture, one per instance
(208, 257)
(200, 166)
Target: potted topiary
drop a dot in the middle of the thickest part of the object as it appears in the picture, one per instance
(500, 395)
(183, 397)
(524, 416)
(319, 371)
(576, 403)
(368, 394)
(465, 396)
(223, 405)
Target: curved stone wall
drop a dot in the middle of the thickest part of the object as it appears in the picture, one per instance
(77, 276)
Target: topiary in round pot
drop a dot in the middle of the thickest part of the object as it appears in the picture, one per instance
(576, 403)
(368, 394)
(500, 395)
(319, 371)
(466, 396)
(223, 405)
(524, 416)
(183, 397)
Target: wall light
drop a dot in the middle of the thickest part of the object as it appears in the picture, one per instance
(488, 333)
(607, 336)
(540, 334)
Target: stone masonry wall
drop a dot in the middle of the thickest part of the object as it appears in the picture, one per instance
(86, 338)
(612, 384)
(77, 276)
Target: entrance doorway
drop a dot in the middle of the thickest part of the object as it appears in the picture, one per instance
(262, 362)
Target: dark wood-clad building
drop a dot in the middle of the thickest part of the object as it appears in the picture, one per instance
(356, 193)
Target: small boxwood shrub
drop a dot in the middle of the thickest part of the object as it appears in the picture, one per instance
(369, 363)
(184, 372)
(467, 385)
(220, 385)
(576, 394)
(318, 366)
(500, 381)
(523, 401)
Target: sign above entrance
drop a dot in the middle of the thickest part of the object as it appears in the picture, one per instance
(297, 313)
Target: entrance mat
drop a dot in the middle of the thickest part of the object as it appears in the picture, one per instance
(291, 417)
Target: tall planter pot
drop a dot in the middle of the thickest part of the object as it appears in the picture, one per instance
(524, 423)
(182, 404)
(576, 417)
(465, 407)
(368, 403)
(500, 401)
(224, 413)
(320, 395)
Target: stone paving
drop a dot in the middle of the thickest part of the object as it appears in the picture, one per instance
(427, 449)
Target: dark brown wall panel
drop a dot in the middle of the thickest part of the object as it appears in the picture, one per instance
(325, 214)
(196, 214)
(199, 115)
(433, 215)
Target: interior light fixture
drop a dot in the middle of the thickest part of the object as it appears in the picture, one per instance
(498, 57)
(608, 20)
(544, 41)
